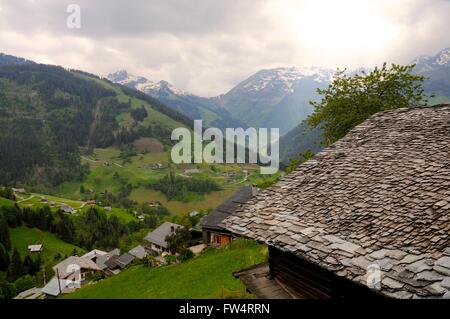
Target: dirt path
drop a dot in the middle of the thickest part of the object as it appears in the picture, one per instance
(25, 199)
(100, 162)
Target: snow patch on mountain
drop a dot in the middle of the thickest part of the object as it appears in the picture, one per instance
(165, 86)
(428, 63)
(443, 57)
(286, 78)
(143, 84)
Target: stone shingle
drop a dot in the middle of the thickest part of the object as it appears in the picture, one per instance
(381, 193)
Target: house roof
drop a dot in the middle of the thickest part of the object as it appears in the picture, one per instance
(380, 195)
(119, 261)
(35, 248)
(158, 236)
(101, 260)
(138, 252)
(69, 265)
(213, 219)
(52, 288)
(32, 293)
(125, 259)
(111, 263)
(95, 253)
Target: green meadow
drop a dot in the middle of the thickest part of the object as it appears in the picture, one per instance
(23, 236)
(206, 276)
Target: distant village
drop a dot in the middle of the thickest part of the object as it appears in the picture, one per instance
(75, 272)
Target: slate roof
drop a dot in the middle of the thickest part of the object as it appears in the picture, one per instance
(95, 253)
(121, 261)
(101, 260)
(35, 248)
(215, 218)
(52, 288)
(158, 236)
(69, 265)
(379, 195)
(138, 252)
(125, 259)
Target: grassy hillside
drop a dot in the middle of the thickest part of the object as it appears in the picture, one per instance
(35, 200)
(6, 202)
(108, 171)
(48, 113)
(21, 237)
(207, 276)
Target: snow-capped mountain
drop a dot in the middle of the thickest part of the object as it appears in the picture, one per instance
(276, 97)
(193, 106)
(285, 78)
(270, 98)
(427, 62)
(436, 69)
(143, 84)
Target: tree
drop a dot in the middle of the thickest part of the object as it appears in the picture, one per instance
(186, 254)
(350, 100)
(179, 239)
(7, 192)
(151, 221)
(4, 258)
(16, 268)
(7, 290)
(30, 266)
(5, 239)
(24, 283)
(65, 229)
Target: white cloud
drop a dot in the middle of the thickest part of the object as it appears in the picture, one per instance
(206, 47)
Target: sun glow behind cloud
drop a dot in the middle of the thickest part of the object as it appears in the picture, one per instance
(206, 47)
(338, 28)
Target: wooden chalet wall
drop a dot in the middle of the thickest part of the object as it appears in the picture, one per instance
(308, 281)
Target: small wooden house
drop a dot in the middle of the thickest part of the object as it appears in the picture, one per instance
(35, 248)
(367, 217)
(70, 274)
(157, 237)
(213, 232)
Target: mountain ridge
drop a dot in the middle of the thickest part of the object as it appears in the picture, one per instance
(248, 100)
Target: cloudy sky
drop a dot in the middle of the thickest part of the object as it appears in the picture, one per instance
(208, 46)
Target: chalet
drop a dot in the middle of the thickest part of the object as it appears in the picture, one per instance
(67, 209)
(194, 213)
(213, 232)
(366, 217)
(35, 248)
(94, 254)
(157, 238)
(139, 252)
(19, 190)
(70, 274)
(117, 263)
(76, 268)
(91, 202)
(100, 258)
